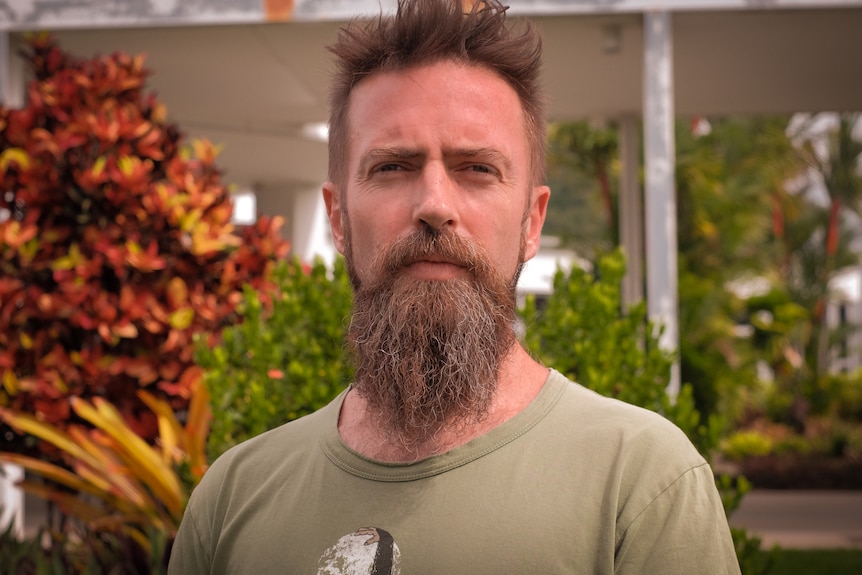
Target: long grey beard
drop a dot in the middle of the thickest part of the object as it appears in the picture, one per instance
(428, 353)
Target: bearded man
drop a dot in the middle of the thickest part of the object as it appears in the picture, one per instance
(453, 451)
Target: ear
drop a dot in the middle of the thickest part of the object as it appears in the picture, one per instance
(535, 220)
(332, 199)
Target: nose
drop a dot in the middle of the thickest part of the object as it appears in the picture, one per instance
(436, 203)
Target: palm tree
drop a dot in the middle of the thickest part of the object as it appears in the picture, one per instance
(582, 172)
(828, 145)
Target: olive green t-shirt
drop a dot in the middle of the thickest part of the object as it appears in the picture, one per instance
(575, 483)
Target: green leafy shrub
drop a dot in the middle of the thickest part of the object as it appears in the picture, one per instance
(793, 445)
(52, 552)
(834, 437)
(283, 363)
(744, 444)
(583, 333)
(752, 559)
(845, 394)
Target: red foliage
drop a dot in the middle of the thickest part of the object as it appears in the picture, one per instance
(118, 246)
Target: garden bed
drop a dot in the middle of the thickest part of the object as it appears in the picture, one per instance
(802, 472)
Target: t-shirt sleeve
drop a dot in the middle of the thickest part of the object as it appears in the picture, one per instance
(682, 531)
(189, 554)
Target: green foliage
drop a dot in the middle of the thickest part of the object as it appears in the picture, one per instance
(793, 445)
(51, 552)
(732, 488)
(280, 364)
(753, 560)
(582, 172)
(750, 207)
(845, 393)
(819, 561)
(729, 182)
(744, 444)
(583, 334)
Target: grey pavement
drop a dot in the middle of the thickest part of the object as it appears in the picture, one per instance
(803, 519)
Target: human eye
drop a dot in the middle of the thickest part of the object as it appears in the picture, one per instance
(389, 167)
(479, 172)
(481, 165)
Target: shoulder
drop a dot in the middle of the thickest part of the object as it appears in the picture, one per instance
(618, 422)
(660, 488)
(275, 453)
(271, 447)
(267, 462)
(640, 450)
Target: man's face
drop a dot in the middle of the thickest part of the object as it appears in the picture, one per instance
(440, 146)
(435, 220)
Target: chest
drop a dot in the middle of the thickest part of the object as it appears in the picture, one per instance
(460, 522)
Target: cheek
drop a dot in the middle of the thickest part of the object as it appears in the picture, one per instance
(506, 247)
(368, 238)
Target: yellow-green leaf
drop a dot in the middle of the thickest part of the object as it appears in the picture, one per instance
(98, 166)
(69, 502)
(127, 164)
(10, 382)
(182, 318)
(28, 251)
(47, 432)
(197, 422)
(177, 292)
(170, 430)
(111, 475)
(69, 261)
(142, 459)
(189, 220)
(49, 471)
(25, 340)
(14, 155)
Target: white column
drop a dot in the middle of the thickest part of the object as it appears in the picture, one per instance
(660, 192)
(311, 236)
(11, 499)
(631, 213)
(306, 224)
(276, 200)
(12, 88)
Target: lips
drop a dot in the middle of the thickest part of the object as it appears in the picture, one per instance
(432, 250)
(439, 260)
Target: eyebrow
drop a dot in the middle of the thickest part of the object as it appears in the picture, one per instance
(390, 153)
(487, 154)
(397, 153)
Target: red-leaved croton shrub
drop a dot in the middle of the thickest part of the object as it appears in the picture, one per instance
(117, 244)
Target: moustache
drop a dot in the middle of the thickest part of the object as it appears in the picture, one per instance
(445, 246)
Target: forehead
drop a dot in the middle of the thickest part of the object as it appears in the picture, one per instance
(458, 103)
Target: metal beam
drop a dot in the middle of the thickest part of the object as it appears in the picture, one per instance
(660, 189)
(631, 212)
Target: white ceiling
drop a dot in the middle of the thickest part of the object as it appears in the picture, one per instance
(253, 86)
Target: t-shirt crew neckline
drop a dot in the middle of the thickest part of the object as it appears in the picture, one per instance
(356, 464)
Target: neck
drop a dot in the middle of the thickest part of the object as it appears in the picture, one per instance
(520, 380)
